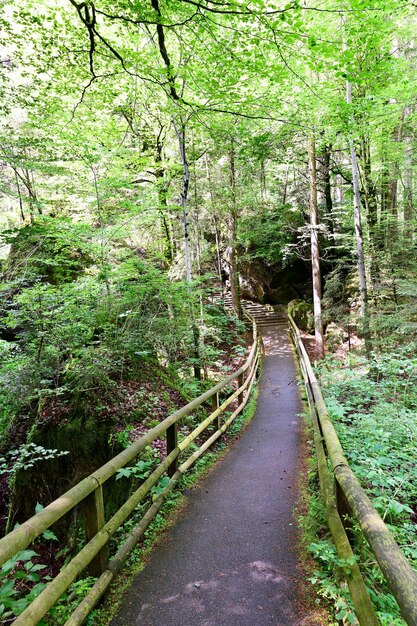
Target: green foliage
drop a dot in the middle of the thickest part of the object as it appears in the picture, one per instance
(13, 596)
(267, 235)
(69, 601)
(141, 470)
(329, 580)
(25, 457)
(77, 339)
(54, 250)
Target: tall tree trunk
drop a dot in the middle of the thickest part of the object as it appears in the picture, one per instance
(408, 197)
(315, 253)
(385, 202)
(327, 186)
(262, 180)
(285, 188)
(215, 223)
(180, 132)
(369, 193)
(234, 273)
(369, 196)
(359, 237)
(162, 188)
(392, 231)
(196, 222)
(19, 194)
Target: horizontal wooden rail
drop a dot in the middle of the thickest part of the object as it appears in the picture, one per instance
(89, 492)
(400, 576)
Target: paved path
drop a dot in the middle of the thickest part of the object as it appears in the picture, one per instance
(230, 559)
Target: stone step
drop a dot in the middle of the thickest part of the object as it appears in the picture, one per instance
(264, 314)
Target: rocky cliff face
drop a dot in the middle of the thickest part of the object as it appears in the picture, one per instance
(275, 285)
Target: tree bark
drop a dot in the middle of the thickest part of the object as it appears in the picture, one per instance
(315, 253)
(359, 237)
(262, 180)
(408, 197)
(180, 132)
(217, 233)
(234, 273)
(369, 194)
(327, 187)
(285, 188)
(392, 230)
(19, 194)
(162, 188)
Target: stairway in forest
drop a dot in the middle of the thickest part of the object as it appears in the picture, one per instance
(265, 315)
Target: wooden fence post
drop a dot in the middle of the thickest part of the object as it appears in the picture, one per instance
(240, 382)
(344, 510)
(172, 441)
(215, 403)
(93, 513)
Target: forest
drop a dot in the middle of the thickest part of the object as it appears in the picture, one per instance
(159, 156)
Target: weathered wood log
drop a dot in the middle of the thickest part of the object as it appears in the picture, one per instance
(215, 402)
(93, 513)
(89, 602)
(240, 381)
(400, 576)
(172, 442)
(196, 455)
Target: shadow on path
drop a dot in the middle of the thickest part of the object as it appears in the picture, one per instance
(231, 559)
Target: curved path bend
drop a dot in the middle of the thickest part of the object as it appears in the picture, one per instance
(230, 560)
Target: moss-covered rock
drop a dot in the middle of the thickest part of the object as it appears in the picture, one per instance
(302, 313)
(335, 336)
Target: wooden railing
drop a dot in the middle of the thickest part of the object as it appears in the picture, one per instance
(344, 498)
(89, 492)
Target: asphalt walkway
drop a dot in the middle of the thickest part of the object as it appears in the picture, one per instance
(230, 560)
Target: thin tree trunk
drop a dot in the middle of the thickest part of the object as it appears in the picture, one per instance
(359, 237)
(285, 188)
(19, 193)
(327, 187)
(234, 274)
(393, 188)
(197, 235)
(180, 132)
(162, 200)
(215, 223)
(370, 199)
(369, 192)
(315, 254)
(408, 197)
(262, 181)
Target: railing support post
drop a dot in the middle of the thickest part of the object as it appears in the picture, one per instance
(93, 513)
(215, 403)
(240, 382)
(344, 510)
(172, 441)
